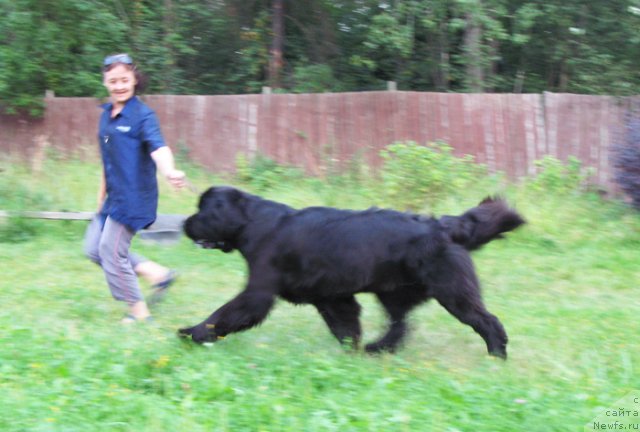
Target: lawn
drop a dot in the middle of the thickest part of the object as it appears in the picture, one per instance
(566, 287)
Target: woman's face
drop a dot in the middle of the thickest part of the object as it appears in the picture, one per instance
(120, 81)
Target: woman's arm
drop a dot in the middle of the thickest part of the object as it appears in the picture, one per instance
(163, 157)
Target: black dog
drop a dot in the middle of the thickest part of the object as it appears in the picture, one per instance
(324, 256)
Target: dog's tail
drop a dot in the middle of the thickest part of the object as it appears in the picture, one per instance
(482, 224)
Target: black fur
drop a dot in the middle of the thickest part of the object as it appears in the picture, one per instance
(324, 256)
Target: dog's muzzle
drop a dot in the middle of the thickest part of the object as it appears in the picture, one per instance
(206, 244)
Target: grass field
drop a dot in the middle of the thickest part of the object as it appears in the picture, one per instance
(566, 287)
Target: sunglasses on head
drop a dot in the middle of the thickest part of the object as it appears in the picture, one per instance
(117, 58)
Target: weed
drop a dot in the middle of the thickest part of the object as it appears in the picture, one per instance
(263, 173)
(414, 176)
(556, 177)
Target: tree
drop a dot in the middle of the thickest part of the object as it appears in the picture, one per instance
(53, 45)
(277, 46)
(238, 46)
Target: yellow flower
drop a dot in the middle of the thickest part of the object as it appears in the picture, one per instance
(162, 361)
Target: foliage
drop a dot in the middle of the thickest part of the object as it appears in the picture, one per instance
(263, 173)
(556, 177)
(18, 229)
(626, 160)
(207, 47)
(314, 79)
(414, 175)
(15, 196)
(387, 46)
(47, 45)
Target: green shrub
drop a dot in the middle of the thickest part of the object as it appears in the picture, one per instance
(554, 176)
(263, 173)
(314, 79)
(17, 196)
(17, 230)
(415, 175)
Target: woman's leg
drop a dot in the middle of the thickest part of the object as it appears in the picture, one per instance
(156, 274)
(117, 266)
(153, 272)
(92, 251)
(91, 241)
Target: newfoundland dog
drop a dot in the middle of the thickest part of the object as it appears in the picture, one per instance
(325, 256)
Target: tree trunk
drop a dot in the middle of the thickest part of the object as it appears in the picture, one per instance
(473, 51)
(275, 58)
(442, 74)
(169, 66)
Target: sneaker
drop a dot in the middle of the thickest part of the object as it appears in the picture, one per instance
(161, 288)
(129, 319)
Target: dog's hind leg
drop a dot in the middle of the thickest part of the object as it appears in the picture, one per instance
(342, 315)
(474, 314)
(456, 288)
(247, 310)
(397, 306)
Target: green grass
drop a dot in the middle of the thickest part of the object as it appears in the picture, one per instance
(566, 288)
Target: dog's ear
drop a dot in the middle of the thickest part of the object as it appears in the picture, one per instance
(206, 195)
(236, 196)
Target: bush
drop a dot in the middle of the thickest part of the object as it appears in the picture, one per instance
(554, 176)
(17, 230)
(414, 175)
(15, 197)
(626, 161)
(263, 173)
(314, 79)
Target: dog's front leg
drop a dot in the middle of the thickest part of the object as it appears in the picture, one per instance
(205, 331)
(342, 316)
(247, 310)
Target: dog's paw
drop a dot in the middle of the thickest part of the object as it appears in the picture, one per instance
(198, 334)
(499, 352)
(378, 348)
(185, 333)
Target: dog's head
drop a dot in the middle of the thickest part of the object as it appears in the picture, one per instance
(220, 219)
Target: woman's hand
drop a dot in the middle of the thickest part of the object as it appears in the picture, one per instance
(176, 178)
(163, 157)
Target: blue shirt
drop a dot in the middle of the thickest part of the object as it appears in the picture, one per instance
(126, 144)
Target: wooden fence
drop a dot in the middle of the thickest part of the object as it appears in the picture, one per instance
(508, 132)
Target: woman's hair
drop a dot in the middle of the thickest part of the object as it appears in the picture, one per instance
(123, 59)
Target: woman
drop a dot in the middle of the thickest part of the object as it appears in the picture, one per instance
(132, 149)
